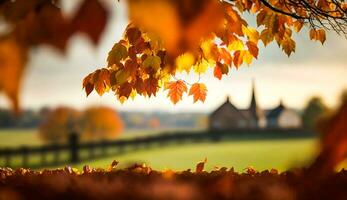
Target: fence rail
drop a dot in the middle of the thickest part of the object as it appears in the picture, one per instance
(74, 151)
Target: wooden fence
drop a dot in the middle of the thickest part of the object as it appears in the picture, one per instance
(74, 151)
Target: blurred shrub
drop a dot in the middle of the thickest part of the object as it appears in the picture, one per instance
(314, 109)
(100, 122)
(93, 123)
(59, 123)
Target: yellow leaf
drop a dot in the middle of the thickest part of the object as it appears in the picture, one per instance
(236, 45)
(185, 62)
(247, 57)
(133, 94)
(298, 25)
(201, 67)
(251, 33)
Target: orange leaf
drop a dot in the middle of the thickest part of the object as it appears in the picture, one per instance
(200, 166)
(176, 90)
(318, 35)
(151, 86)
(253, 49)
(198, 90)
(238, 58)
(217, 72)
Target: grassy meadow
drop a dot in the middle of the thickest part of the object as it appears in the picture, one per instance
(261, 154)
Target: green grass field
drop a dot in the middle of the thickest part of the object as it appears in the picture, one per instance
(262, 154)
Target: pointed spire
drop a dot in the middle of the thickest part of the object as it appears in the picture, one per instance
(281, 103)
(253, 105)
(228, 99)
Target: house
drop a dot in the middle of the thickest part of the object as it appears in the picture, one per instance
(283, 117)
(229, 117)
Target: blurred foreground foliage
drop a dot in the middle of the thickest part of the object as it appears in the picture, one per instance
(141, 182)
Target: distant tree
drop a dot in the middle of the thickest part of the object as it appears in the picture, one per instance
(59, 124)
(344, 96)
(313, 110)
(100, 122)
(7, 120)
(154, 123)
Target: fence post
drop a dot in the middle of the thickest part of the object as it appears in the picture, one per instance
(56, 153)
(7, 157)
(25, 156)
(73, 142)
(43, 151)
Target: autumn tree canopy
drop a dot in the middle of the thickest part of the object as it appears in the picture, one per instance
(163, 39)
(93, 123)
(100, 122)
(169, 37)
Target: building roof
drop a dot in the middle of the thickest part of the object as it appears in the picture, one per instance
(227, 105)
(276, 112)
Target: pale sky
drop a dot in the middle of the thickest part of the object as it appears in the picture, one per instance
(53, 79)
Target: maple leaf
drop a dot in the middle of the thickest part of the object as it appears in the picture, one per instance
(201, 67)
(225, 55)
(91, 18)
(176, 90)
(198, 90)
(13, 59)
(318, 35)
(118, 53)
(151, 86)
(252, 48)
(266, 36)
(288, 46)
(152, 61)
(185, 62)
(238, 58)
(200, 166)
(217, 72)
(88, 84)
(220, 69)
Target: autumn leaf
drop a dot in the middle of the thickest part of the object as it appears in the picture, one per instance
(252, 48)
(152, 61)
(176, 90)
(151, 86)
(91, 18)
(220, 69)
(298, 25)
(198, 90)
(200, 166)
(288, 46)
(217, 72)
(238, 58)
(88, 84)
(318, 35)
(118, 53)
(185, 62)
(13, 58)
(201, 67)
(266, 36)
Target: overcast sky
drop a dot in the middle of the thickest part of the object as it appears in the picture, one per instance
(53, 79)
